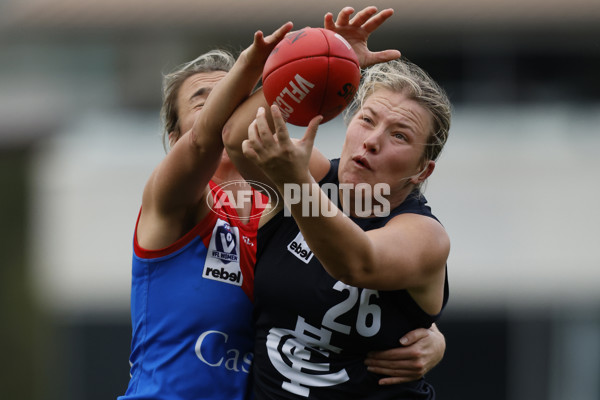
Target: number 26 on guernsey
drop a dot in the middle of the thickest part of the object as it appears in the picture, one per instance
(368, 321)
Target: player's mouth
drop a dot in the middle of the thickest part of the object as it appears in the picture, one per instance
(361, 162)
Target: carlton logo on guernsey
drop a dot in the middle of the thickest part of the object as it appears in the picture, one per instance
(223, 259)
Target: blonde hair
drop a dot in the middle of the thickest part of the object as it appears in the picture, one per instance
(215, 60)
(403, 76)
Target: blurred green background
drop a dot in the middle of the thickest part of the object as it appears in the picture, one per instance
(517, 186)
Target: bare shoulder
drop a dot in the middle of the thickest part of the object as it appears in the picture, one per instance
(418, 222)
(423, 234)
(158, 227)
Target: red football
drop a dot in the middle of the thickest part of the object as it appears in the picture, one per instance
(311, 72)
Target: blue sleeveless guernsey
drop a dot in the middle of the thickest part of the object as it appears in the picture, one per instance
(191, 312)
(313, 332)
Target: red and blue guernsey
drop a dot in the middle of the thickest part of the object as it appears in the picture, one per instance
(191, 311)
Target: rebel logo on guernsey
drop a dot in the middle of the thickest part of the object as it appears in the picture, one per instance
(300, 249)
(223, 257)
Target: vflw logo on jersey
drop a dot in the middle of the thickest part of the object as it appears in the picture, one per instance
(223, 257)
(300, 249)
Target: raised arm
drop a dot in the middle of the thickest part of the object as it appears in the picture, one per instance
(175, 192)
(236, 131)
(409, 252)
(356, 31)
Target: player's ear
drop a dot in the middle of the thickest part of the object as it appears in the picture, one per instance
(173, 137)
(424, 174)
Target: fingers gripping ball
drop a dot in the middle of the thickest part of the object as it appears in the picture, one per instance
(311, 72)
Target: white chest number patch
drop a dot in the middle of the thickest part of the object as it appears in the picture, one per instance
(301, 355)
(223, 258)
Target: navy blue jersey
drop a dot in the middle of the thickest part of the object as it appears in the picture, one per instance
(313, 332)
